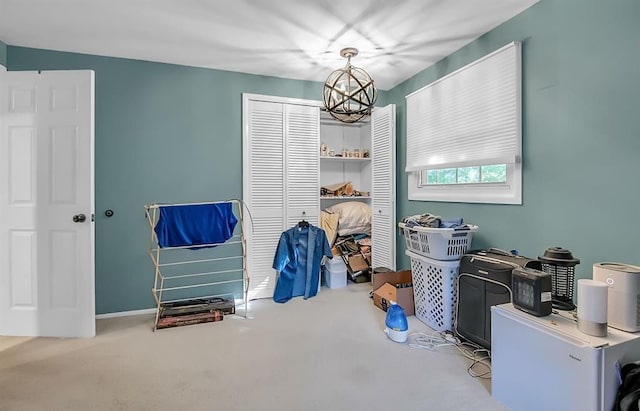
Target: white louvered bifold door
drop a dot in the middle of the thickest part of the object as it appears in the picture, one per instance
(302, 175)
(383, 193)
(263, 192)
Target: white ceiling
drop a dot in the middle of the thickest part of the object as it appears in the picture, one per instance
(298, 39)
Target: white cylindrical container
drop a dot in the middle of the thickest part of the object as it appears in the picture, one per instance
(592, 307)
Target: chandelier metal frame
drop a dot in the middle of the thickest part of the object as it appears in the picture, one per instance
(349, 93)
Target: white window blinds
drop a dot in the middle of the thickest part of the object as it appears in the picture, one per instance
(469, 117)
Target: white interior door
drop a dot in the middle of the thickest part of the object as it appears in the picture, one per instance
(383, 190)
(46, 182)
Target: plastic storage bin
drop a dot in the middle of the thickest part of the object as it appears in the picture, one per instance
(335, 273)
(434, 290)
(438, 243)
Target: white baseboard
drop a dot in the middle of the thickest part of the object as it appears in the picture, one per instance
(126, 313)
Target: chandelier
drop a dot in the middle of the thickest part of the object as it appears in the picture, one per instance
(349, 93)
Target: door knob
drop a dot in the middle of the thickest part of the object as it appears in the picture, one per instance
(79, 218)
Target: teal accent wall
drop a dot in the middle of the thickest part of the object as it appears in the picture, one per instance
(581, 134)
(168, 133)
(3, 54)
(163, 134)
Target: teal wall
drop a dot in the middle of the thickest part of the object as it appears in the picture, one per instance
(168, 133)
(581, 134)
(163, 133)
(3, 54)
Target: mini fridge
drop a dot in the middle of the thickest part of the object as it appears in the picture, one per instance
(545, 363)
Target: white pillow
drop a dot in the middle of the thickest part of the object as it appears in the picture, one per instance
(355, 217)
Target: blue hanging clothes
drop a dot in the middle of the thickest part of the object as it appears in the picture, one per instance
(297, 260)
(195, 224)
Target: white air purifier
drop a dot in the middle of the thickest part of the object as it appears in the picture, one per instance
(623, 302)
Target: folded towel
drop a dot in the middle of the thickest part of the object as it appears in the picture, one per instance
(195, 224)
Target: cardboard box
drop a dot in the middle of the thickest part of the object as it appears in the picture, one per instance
(393, 286)
(188, 319)
(225, 304)
(358, 263)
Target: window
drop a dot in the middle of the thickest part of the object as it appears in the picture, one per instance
(464, 133)
(496, 173)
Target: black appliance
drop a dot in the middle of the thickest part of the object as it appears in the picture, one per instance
(560, 264)
(531, 291)
(484, 280)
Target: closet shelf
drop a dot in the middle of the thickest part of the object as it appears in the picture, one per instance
(345, 197)
(329, 158)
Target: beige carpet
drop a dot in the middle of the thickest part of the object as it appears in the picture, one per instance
(325, 353)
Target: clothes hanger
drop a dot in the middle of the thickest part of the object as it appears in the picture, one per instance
(303, 223)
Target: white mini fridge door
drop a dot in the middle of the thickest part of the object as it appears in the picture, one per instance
(538, 367)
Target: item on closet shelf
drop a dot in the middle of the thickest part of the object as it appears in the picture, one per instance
(337, 190)
(297, 260)
(323, 150)
(332, 153)
(365, 153)
(355, 217)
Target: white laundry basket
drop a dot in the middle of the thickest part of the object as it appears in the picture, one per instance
(438, 243)
(434, 290)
